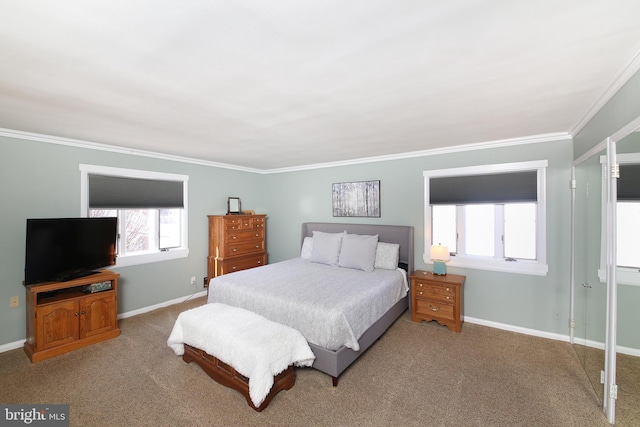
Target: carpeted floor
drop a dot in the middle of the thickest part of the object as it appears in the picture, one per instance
(417, 374)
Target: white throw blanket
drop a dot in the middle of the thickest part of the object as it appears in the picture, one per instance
(254, 346)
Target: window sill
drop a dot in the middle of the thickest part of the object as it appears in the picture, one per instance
(126, 261)
(517, 267)
(624, 276)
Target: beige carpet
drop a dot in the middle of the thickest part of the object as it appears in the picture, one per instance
(417, 374)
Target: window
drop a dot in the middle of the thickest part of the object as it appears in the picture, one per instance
(151, 208)
(627, 225)
(491, 217)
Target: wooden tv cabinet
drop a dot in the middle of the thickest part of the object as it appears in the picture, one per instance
(62, 316)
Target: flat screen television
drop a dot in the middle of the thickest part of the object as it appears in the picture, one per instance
(61, 249)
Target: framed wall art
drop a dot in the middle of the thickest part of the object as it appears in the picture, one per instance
(360, 199)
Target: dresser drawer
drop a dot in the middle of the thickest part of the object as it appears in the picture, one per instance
(245, 263)
(242, 247)
(244, 236)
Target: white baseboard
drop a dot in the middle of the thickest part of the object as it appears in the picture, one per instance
(526, 331)
(558, 337)
(161, 305)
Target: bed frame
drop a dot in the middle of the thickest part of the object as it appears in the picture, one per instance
(334, 362)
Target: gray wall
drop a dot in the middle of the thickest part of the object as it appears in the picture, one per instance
(621, 109)
(519, 300)
(43, 180)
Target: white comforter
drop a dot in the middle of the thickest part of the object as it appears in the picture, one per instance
(331, 306)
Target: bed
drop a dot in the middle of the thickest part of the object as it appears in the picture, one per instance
(337, 349)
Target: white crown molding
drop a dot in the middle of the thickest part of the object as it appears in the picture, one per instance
(533, 139)
(10, 133)
(632, 66)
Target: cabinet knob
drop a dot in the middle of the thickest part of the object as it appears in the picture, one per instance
(84, 312)
(76, 314)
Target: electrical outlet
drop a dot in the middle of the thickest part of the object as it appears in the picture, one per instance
(206, 282)
(14, 302)
(193, 280)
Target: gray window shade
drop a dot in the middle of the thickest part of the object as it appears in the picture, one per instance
(491, 188)
(629, 183)
(114, 192)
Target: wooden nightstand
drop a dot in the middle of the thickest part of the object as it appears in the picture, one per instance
(438, 298)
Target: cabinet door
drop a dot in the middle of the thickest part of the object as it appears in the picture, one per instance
(97, 314)
(56, 324)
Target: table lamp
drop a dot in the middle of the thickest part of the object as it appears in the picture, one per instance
(439, 255)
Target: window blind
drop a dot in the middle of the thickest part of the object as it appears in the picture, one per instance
(114, 192)
(629, 183)
(487, 188)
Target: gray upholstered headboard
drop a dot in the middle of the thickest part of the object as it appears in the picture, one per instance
(401, 234)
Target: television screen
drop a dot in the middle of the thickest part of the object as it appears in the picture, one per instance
(60, 249)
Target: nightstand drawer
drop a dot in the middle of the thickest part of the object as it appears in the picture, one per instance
(435, 294)
(433, 309)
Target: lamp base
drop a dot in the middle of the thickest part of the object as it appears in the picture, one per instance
(439, 268)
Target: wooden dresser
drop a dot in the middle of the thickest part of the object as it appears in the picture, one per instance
(236, 242)
(438, 298)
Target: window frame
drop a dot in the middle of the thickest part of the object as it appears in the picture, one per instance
(536, 267)
(624, 275)
(149, 257)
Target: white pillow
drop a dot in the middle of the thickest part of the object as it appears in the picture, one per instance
(387, 256)
(326, 247)
(307, 247)
(358, 252)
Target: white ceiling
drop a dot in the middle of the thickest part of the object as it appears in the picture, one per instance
(278, 84)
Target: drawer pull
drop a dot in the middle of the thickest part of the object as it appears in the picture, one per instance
(448, 289)
(259, 262)
(448, 297)
(420, 292)
(257, 246)
(233, 267)
(235, 249)
(234, 237)
(257, 234)
(434, 308)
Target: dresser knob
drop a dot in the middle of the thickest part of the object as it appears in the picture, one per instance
(434, 308)
(233, 267)
(420, 292)
(235, 249)
(234, 237)
(448, 289)
(448, 297)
